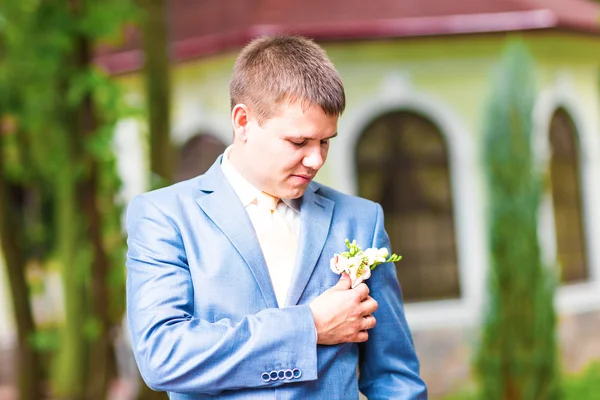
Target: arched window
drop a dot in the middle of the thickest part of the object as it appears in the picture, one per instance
(402, 163)
(566, 197)
(197, 155)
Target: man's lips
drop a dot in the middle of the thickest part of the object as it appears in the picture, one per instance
(304, 177)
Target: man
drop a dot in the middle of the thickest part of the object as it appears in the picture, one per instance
(230, 292)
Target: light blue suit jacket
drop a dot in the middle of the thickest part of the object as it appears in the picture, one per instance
(203, 315)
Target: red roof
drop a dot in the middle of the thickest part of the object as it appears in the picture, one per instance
(199, 28)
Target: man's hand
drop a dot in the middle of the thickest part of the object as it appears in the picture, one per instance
(343, 315)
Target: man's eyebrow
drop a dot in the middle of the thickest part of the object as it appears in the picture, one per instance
(300, 137)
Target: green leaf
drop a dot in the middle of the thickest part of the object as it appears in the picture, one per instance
(45, 340)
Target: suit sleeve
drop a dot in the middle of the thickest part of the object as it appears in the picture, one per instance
(177, 352)
(389, 368)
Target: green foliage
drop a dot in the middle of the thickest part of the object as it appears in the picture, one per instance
(462, 395)
(517, 356)
(46, 340)
(92, 328)
(41, 88)
(585, 385)
(64, 111)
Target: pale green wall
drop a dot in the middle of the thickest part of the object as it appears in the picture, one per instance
(453, 70)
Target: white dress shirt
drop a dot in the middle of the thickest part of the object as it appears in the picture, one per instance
(261, 218)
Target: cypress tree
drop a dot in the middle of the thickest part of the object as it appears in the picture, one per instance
(517, 355)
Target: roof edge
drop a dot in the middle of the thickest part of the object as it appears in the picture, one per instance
(183, 50)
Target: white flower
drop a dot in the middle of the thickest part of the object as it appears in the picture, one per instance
(355, 262)
(359, 273)
(338, 263)
(358, 263)
(383, 252)
(375, 255)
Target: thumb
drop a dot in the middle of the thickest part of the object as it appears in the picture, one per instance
(344, 283)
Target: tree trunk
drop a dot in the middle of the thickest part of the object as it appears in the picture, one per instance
(158, 100)
(70, 371)
(158, 90)
(29, 373)
(102, 368)
(102, 362)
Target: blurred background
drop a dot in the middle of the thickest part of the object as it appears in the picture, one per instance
(474, 123)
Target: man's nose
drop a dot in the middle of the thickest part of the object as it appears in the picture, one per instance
(314, 159)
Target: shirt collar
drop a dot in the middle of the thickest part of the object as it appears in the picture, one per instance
(246, 191)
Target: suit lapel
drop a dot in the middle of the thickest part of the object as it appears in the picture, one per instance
(315, 220)
(222, 205)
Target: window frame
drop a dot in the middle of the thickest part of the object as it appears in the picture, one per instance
(572, 298)
(392, 126)
(466, 179)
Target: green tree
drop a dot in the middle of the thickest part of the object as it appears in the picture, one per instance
(16, 219)
(29, 372)
(517, 356)
(66, 111)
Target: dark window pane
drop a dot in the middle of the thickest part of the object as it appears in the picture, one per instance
(402, 163)
(197, 155)
(566, 196)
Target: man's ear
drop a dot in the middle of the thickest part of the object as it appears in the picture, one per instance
(240, 117)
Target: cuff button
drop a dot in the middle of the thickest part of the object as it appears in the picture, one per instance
(265, 377)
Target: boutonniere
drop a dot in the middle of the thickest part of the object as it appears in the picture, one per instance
(358, 263)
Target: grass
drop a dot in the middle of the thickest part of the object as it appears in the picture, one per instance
(584, 385)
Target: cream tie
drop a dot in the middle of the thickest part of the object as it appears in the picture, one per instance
(279, 243)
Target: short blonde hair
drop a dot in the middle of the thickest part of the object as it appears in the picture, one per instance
(272, 69)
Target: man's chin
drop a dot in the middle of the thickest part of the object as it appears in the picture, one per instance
(296, 187)
(296, 192)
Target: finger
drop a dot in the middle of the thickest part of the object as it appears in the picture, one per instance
(369, 322)
(357, 282)
(366, 323)
(368, 306)
(363, 290)
(344, 282)
(361, 336)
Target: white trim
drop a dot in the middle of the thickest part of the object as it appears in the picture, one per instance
(397, 94)
(563, 94)
(130, 147)
(192, 118)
